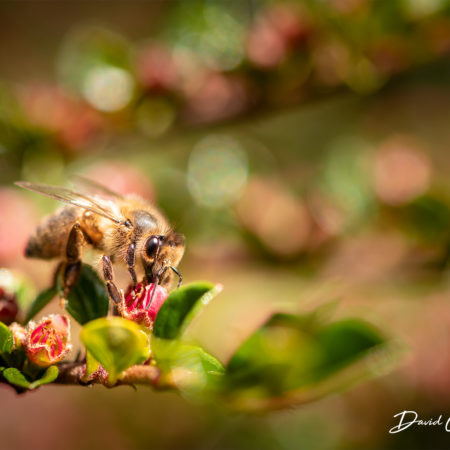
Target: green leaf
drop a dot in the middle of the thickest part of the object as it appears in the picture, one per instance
(428, 218)
(17, 378)
(92, 365)
(279, 356)
(189, 367)
(6, 339)
(343, 342)
(116, 344)
(42, 300)
(49, 376)
(88, 299)
(181, 307)
(291, 352)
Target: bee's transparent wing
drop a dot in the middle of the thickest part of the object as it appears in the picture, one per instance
(90, 203)
(92, 187)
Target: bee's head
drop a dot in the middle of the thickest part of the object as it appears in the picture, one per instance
(160, 253)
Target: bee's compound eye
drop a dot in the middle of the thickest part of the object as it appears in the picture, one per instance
(151, 246)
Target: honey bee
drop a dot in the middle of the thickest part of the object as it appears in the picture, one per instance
(126, 229)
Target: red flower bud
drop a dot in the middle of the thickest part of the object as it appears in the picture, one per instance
(142, 303)
(8, 307)
(48, 341)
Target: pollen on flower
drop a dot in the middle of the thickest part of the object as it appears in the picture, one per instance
(142, 303)
(48, 341)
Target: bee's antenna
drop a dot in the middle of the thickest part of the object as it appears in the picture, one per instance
(180, 277)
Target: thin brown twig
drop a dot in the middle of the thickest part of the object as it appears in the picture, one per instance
(73, 373)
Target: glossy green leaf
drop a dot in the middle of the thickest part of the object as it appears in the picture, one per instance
(116, 344)
(17, 378)
(181, 307)
(279, 356)
(290, 352)
(49, 376)
(6, 339)
(344, 342)
(88, 300)
(92, 365)
(42, 300)
(190, 367)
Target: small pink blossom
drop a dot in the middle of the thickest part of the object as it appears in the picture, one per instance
(48, 342)
(142, 303)
(20, 335)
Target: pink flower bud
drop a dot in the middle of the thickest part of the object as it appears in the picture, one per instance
(8, 307)
(142, 303)
(19, 335)
(48, 341)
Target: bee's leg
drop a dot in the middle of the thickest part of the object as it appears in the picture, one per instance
(57, 272)
(72, 266)
(131, 260)
(113, 292)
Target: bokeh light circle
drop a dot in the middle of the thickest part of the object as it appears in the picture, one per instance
(217, 171)
(108, 88)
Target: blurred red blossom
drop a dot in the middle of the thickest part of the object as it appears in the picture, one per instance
(389, 55)
(437, 35)
(274, 33)
(290, 22)
(281, 221)
(8, 306)
(122, 178)
(350, 6)
(216, 97)
(156, 68)
(72, 120)
(402, 170)
(265, 46)
(18, 219)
